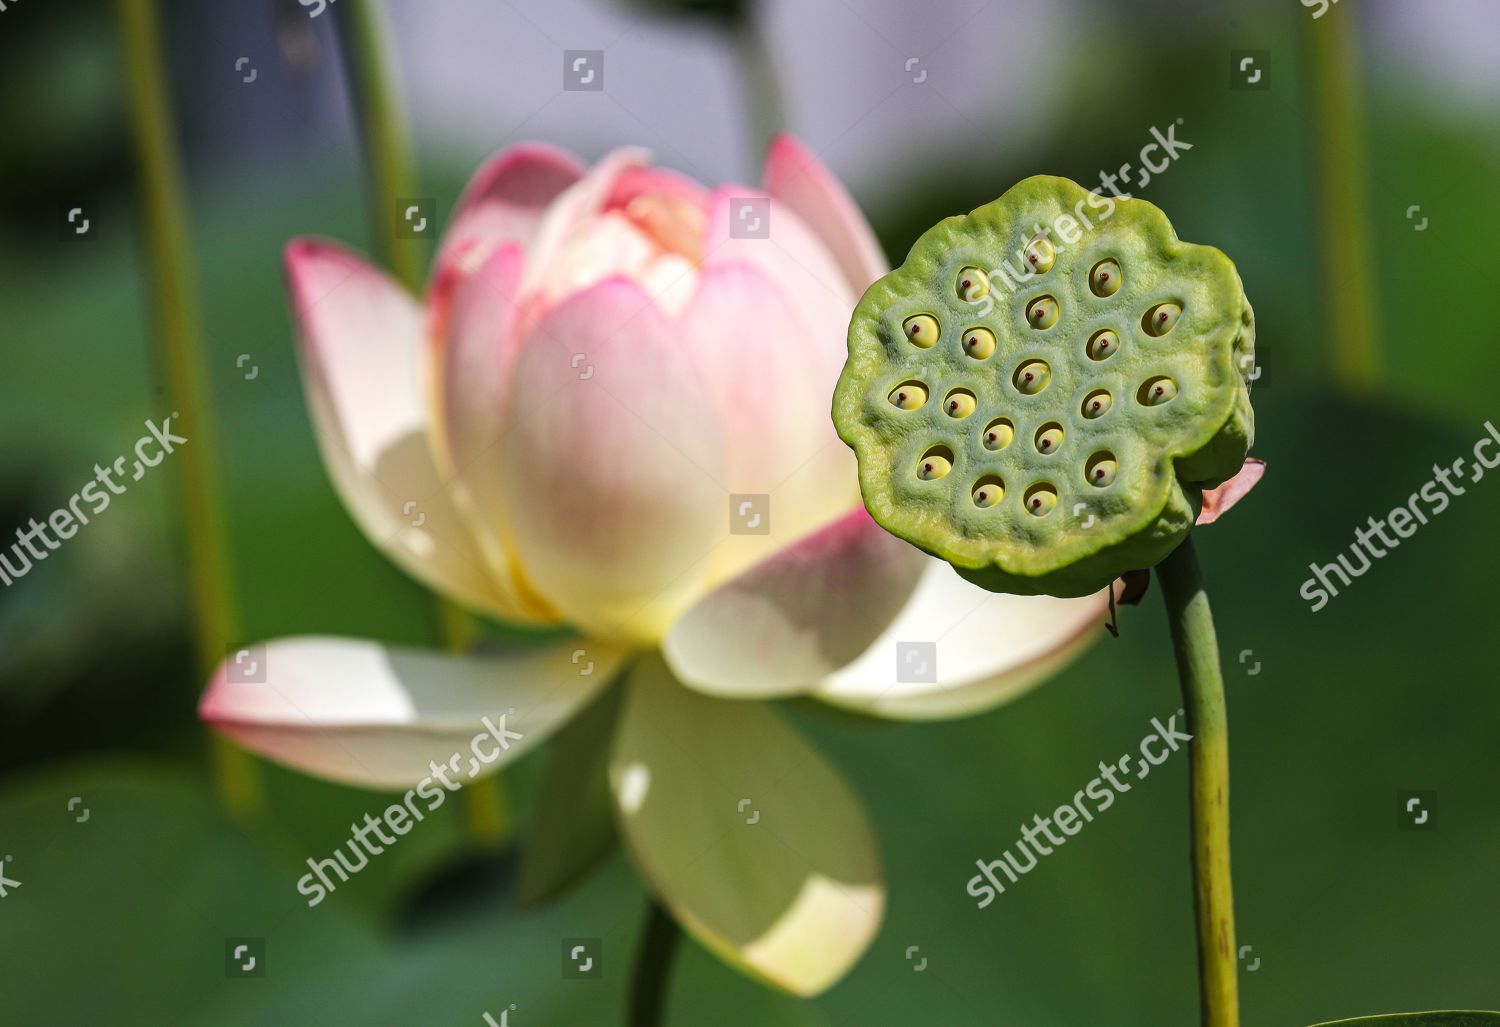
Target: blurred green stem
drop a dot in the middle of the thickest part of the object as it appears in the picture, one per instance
(1197, 651)
(761, 83)
(178, 332)
(387, 146)
(1347, 299)
(653, 967)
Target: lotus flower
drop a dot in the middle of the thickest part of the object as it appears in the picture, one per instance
(609, 417)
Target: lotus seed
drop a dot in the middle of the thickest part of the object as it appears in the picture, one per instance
(1049, 438)
(1157, 391)
(1032, 377)
(1097, 404)
(1042, 312)
(1101, 469)
(988, 491)
(999, 434)
(960, 403)
(1103, 344)
(1041, 499)
(1104, 279)
(979, 343)
(1161, 319)
(936, 463)
(1041, 255)
(973, 285)
(922, 330)
(909, 396)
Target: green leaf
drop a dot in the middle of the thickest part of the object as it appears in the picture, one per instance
(1438, 1018)
(571, 830)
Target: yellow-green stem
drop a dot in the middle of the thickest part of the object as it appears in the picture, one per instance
(1348, 298)
(387, 146)
(1197, 651)
(178, 333)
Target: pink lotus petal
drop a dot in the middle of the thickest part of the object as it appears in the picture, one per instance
(474, 351)
(748, 226)
(611, 464)
(508, 196)
(799, 616)
(1218, 502)
(364, 371)
(771, 360)
(795, 176)
(377, 716)
(987, 648)
(575, 207)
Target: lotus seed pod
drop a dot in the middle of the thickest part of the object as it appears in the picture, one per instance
(1106, 379)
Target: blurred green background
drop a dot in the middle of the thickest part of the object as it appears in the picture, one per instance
(1307, 185)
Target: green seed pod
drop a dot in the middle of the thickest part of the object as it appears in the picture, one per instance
(1110, 402)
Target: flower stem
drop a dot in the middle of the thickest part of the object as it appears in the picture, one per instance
(178, 333)
(653, 967)
(1342, 159)
(1197, 652)
(382, 131)
(761, 83)
(387, 146)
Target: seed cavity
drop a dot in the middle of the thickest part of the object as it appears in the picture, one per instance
(1040, 255)
(910, 395)
(1103, 345)
(973, 285)
(935, 463)
(1156, 391)
(1097, 403)
(1042, 312)
(1049, 438)
(1040, 499)
(959, 403)
(979, 343)
(1161, 319)
(988, 491)
(999, 434)
(1104, 279)
(1100, 470)
(922, 330)
(1032, 377)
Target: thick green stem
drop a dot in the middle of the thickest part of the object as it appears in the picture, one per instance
(1197, 652)
(1348, 298)
(653, 967)
(387, 146)
(178, 333)
(762, 85)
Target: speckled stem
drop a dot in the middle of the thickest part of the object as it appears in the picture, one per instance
(1197, 651)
